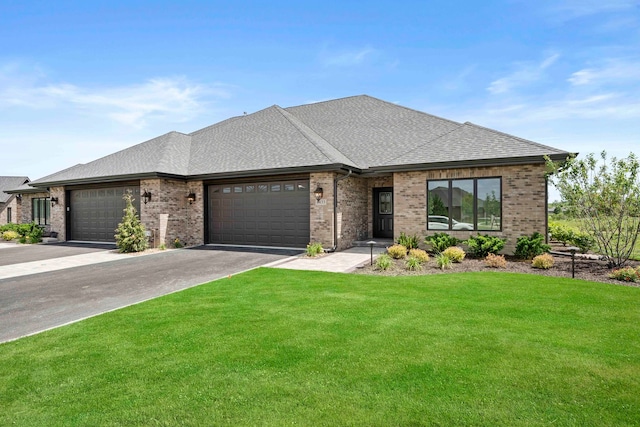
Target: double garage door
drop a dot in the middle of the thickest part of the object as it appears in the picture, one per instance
(272, 213)
(94, 214)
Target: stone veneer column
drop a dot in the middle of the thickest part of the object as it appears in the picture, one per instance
(352, 211)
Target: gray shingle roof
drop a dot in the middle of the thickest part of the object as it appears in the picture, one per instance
(9, 183)
(470, 142)
(359, 132)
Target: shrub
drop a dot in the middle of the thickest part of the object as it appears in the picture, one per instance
(529, 247)
(544, 261)
(162, 247)
(130, 234)
(314, 249)
(443, 261)
(421, 255)
(10, 235)
(413, 264)
(409, 242)
(383, 262)
(397, 251)
(481, 246)
(626, 274)
(27, 233)
(495, 261)
(561, 233)
(177, 243)
(441, 241)
(583, 241)
(454, 253)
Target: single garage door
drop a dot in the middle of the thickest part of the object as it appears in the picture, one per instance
(95, 213)
(274, 213)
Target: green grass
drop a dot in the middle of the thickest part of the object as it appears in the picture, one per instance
(276, 347)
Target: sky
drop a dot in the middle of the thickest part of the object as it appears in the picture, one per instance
(82, 79)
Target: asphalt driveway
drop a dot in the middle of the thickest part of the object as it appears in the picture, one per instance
(33, 303)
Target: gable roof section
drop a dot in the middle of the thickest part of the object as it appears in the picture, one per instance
(470, 143)
(266, 140)
(369, 130)
(359, 132)
(9, 183)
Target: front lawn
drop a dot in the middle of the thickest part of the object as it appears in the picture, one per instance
(279, 347)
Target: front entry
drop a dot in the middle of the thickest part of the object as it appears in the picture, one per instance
(383, 212)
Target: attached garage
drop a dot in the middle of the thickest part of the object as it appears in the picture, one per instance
(94, 213)
(266, 213)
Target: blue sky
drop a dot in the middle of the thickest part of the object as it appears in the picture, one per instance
(79, 80)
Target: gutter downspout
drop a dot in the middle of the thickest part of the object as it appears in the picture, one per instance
(335, 210)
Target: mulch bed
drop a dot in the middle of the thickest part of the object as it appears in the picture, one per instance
(592, 270)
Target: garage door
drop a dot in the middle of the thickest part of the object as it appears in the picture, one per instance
(95, 213)
(274, 213)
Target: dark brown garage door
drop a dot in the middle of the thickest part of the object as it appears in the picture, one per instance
(274, 213)
(94, 214)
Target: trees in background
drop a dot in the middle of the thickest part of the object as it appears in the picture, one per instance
(604, 196)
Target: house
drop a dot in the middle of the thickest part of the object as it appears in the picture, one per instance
(10, 204)
(333, 172)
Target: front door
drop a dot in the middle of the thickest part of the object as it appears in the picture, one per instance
(383, 212)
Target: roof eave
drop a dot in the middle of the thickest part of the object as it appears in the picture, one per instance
(112, 178)
(506, 161)
(274, 172)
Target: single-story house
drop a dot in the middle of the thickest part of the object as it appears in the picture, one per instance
(332, 172)
(10, 203)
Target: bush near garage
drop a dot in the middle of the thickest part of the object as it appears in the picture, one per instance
(26, 233)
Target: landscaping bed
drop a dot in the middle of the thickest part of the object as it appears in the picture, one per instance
(586, 269)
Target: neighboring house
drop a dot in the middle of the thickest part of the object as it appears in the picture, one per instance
(376, 167)
(10, 204)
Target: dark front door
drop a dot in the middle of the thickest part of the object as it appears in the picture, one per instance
(383, 212)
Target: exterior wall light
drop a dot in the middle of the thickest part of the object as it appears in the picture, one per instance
(54, 201)
(318, 193)
(191, 197)
(146, 196)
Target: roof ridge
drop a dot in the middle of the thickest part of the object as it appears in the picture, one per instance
(528, 141)
(227, 120)
(318, 141)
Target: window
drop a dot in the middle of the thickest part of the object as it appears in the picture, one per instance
(237, 189)
(275, 187)
(8, 215)
(464, 204)
(250, 188)
(289, 187)
(41, 210)
(385, 206)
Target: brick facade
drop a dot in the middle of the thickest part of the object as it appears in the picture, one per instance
(168, 215)
(524, 195)
(321, 212)
(14, 204)
(58, 212)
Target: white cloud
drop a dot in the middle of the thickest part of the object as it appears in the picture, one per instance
(614, 71)
(174, 99)
(525, 74)
(345, 58)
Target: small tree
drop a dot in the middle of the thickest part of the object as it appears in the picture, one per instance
(131, 234)
(605, 197)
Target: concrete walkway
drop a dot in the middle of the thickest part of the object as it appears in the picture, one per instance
(55, 264)
(336, 262)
